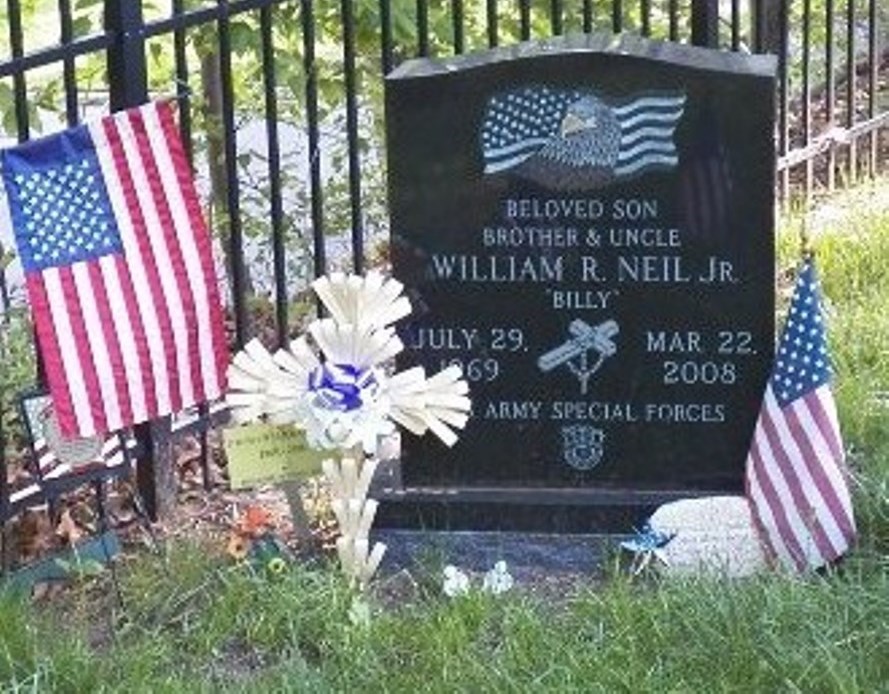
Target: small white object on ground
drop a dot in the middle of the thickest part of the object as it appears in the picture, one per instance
(713, 535)
(455, 582)
(498, 580)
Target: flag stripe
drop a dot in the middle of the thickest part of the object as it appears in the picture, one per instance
(787, 474)
(154, 256)
(205, 365)
(86, 365)
(626, 126)
(181, 248)
(531, 144)
(50, 347)
(648, 102)
(119, 334)
(135, 272)
(214, 384)
(763, 517)
(494, 167)
(99, 354)
(145, 345)
(647, 132)
(61, 317)
(758, 508)
(645, 148)
(786, 537)
(172, 269)
(811, 504)
(824, 410)
(822, 468)
(654, 160)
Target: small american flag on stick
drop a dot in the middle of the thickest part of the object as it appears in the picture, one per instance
(119, 270)
(796, 474)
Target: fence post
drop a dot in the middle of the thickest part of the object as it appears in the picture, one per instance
(766, 20)
(128, 86)
(705, 23)
(127, 75)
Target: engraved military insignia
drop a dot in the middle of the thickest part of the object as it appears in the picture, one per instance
(583, 446)
(577, 140)
(584, 352)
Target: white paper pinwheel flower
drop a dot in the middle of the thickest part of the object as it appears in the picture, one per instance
(340, 393)
(498, 580)
(455, 582)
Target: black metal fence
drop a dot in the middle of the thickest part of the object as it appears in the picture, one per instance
(305, 77)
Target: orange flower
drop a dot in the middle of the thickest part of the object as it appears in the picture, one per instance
(237, 547)
(255, 521)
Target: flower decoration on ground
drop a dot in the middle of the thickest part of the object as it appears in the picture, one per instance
(646, 545)
(455, 582)
(333, 383)
(339, 391)
(498, 580)
(253, 539)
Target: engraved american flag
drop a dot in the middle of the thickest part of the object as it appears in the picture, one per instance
(119, 270)
(796, 475)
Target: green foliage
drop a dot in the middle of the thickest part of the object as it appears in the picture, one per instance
(16, 374)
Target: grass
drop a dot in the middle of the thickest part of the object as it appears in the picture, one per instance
(194, 623)
(206, 627)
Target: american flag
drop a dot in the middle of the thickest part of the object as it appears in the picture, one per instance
(796, 475)
(519, 123)
(119, 270)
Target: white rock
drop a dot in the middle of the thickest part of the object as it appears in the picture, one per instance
(713, 535)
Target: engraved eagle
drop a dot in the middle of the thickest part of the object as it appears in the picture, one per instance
(572, 139)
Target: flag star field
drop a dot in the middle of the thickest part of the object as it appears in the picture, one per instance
(802, 362)
(66, 216)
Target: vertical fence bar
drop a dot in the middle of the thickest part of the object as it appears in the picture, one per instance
(352, 136)
(237, 268)
(270, 82)
(851, 73)
(783, 96)
(493, 25)
(673, 12)
(645, 17)
(873, 63)
(128, 86)
(555, 17)
(758, 24)
(617, 16)
(830, 87)
(20, 88)
(525, 19)
(69, 78)
(422, 27)
(587, 16)
(4, 479)
(457, 22)
(183, 91)
(311, 74)
(736, 25)
(705, 23)
(386, 36)
(807, 92)
(183, 98)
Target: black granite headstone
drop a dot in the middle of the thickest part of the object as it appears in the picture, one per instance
(587, 225)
